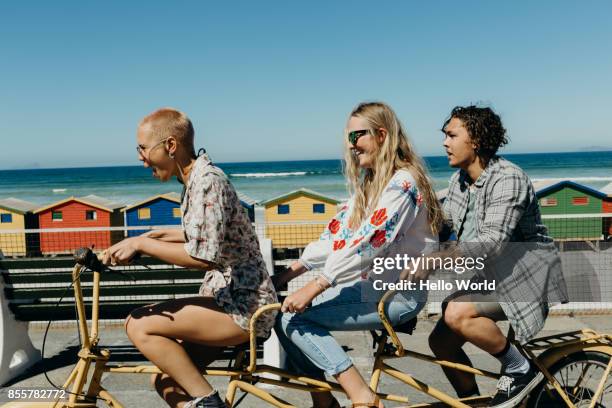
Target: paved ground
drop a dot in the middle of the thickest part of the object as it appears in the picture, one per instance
(134, 390)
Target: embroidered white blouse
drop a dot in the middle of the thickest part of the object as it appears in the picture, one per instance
(398, 226)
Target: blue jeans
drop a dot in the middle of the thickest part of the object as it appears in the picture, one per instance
(311, 349)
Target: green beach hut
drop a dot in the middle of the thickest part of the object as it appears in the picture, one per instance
(571, 211)
(607, 209)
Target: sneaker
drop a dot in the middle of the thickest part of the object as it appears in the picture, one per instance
(512, 388)
(211, 401)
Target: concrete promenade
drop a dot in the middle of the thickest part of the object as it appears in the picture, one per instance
(133, 390)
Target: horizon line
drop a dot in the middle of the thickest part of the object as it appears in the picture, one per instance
(607, 150)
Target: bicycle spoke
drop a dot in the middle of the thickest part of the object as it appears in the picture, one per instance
(579, 379)
(575, 387)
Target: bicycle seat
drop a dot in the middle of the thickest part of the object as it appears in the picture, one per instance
(406, 327)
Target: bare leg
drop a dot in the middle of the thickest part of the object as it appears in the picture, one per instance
(356, 388)
(168, 389)
(482, 332)
(459, 324)
(153, 330)
(447, 345)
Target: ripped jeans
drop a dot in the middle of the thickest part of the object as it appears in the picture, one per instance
(312, 350)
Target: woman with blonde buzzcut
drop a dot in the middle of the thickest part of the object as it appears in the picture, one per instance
(216, 237)
(392, 211)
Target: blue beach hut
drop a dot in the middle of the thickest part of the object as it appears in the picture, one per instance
(248, 204)
(163, 209)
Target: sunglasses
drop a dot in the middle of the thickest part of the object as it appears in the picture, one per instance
(145, 151)
(354, 136)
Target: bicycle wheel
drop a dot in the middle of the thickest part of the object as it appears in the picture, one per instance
(579, 375)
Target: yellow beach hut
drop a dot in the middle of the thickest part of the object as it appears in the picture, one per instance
(16, 214)
(294, 219)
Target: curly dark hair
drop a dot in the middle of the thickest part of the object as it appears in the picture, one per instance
(484, 127)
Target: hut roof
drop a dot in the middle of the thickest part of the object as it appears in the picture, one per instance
(174, 197)
(571, 184)
(301, 192)
(17, 205)
(92, 200)
(246, 199)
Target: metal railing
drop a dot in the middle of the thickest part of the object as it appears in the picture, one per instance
(583, 241)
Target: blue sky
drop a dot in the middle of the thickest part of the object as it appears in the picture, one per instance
(276, 80)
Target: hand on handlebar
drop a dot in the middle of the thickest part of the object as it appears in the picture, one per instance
(121, 253)
(298, 301)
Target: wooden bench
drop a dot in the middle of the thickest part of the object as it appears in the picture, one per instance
(32, 288)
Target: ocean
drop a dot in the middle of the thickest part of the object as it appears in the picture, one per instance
(263, 180)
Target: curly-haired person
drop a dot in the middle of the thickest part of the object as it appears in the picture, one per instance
(492, 208)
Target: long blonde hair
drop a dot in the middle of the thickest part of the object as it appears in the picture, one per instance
(394, 153)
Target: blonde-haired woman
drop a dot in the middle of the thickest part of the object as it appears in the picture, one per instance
(393, 211)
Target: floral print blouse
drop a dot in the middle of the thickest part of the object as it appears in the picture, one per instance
(218, 230)
(398, 225)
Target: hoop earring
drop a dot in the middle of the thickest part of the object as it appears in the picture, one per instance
(171, 155)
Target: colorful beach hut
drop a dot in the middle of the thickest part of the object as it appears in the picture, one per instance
(248, 204)
(298, 217)
(75, 213)
(571, 211)
(16, 214)
(606, 208)
(164, 209)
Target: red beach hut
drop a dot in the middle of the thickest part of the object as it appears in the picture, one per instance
(75, 213)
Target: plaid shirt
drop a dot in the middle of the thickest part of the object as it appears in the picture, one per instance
(520, 256)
